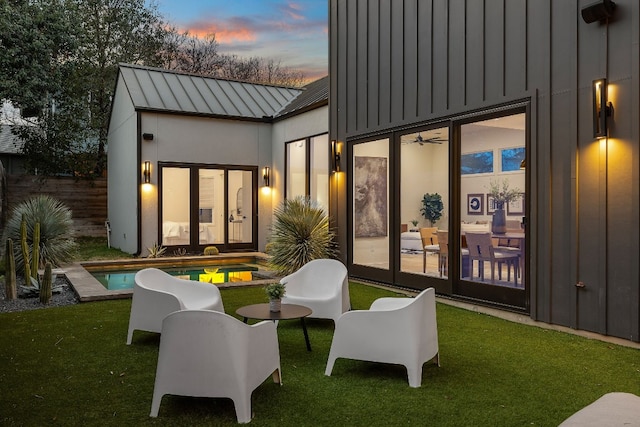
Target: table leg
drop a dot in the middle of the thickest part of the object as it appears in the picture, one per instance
(306, 335)
(245, 319)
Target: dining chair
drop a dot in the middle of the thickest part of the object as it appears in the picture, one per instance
(429, 244)
(481, 249)
(443, 254)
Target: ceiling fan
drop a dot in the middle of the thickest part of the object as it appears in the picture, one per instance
(435, 140)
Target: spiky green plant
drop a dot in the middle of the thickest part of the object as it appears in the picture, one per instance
(156, 251)
(57, 243)
(300, 233)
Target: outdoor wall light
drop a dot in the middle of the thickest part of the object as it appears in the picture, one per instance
(335, 157)
(266, 175)
(146, 172)
(601, 108)
(598, 11)
(147, 136)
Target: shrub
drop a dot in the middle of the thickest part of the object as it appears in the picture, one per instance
(57, 243)
(300, 233)
(156, 251)
(211, 250)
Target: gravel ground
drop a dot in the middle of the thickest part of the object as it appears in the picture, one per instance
(66, 296)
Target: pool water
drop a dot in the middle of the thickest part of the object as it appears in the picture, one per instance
(124, 279)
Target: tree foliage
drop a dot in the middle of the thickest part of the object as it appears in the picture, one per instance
(59, 61)
(192, 54)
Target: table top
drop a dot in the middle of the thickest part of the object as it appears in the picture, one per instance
(261, 312)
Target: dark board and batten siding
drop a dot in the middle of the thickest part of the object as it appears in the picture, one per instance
(86, 199)
(395, 63)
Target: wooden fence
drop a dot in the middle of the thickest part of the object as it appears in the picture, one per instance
(86, 199)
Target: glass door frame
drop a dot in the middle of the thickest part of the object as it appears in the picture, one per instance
(452, 285)
(194, 168)
(514, 299)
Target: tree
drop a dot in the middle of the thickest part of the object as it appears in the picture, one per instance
(61, 60)
(38, 41)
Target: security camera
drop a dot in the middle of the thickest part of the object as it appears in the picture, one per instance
(598, 11)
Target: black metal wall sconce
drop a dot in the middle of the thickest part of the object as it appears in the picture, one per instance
(147, 136)
(146, 172)
(599, 11)
(335, 157)
(602, 109)
(266, 176)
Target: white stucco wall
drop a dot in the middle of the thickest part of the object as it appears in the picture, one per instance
(123, 168)
(200, 140)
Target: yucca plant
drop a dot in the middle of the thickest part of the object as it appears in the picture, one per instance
(300, 233)
(57, 243)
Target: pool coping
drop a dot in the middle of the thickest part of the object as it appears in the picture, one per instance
(88, 288)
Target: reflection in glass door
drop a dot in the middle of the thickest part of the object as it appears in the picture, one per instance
(492, 191)
(240, 206)
(424, 202)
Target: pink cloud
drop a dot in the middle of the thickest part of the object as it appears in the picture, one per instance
(233, 30)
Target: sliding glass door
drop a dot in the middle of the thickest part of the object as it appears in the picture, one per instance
(203, 206)
(492, 240)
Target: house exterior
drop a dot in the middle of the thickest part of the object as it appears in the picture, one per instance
(189, 158)
(450, 96)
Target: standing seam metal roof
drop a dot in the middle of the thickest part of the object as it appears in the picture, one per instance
(162, 90)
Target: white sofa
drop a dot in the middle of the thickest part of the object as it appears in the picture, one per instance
(410, 240)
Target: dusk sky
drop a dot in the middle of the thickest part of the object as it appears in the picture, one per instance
(292, 31)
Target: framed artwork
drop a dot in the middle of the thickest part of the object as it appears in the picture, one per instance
(491, 204)
(516, 207)
(370, 196)
(475, 204)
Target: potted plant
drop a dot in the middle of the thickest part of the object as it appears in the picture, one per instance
(275, 291)
(415, 225)
(432, 207)
(501, 194)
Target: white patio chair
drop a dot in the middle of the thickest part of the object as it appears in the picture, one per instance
(156, 294)
(322, 286)
(402, 331)
(211, 354)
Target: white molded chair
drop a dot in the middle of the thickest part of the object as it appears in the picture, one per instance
(402, 331)
(156, 294)
(211, 354)
(322, 286)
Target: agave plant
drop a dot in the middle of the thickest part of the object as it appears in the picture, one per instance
(300, 233)
(57, 243)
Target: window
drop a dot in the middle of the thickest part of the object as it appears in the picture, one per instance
(307, 169)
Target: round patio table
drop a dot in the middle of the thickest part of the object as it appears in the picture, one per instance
(287, 312)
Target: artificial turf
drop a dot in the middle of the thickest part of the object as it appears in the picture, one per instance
(70, 366)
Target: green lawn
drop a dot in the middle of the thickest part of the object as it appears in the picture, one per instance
(71, 366)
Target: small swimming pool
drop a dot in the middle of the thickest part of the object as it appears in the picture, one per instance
(124, 279)
(119, 275)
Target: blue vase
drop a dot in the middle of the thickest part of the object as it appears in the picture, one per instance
(499, 222)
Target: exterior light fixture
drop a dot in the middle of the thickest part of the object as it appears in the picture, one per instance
(147, 136)
(335, 157)
(601, 108)
(266, 175)
(146, 172)
(599, 11)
